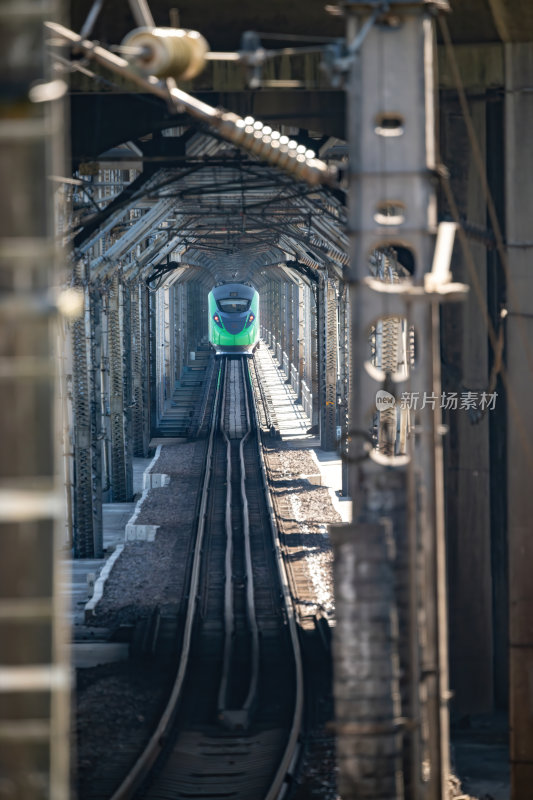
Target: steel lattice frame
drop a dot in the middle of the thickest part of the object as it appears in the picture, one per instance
(126, 341)
(138, 369)
(328, 345)
(315, 361)
(121, 470)
(345, 373)
(88, 484)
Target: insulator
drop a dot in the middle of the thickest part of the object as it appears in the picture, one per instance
(249, 120)
(275, 151)
(310, 154)
(168, 52)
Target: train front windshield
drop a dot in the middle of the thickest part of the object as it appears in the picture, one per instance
(233, 305)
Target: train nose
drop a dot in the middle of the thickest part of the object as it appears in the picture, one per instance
(233, 325)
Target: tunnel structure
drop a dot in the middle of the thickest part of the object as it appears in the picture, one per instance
(146, 270)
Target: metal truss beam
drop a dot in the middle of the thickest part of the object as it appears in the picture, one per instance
(139, 229)
(93, 228)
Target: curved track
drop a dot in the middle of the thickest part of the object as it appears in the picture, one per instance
(232, 723)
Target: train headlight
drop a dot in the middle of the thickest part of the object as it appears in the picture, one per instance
(251, 318)
(216, 319)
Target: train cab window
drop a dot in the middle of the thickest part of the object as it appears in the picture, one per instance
(233, 305)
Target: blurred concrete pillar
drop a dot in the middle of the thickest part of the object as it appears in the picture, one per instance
(392, 208)
(519, 169)
(34, 668)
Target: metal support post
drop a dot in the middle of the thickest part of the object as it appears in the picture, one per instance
(345, 387)
(121, 468)
(177, 334)
(93, 333)
(185, 323)
(153, 400)
(283, 333)
(197, 315)
(392, 205)
(272, 321)
(173, 373)
(277, 320)
(328, 332)
(105, 420)
(307, 338)
(271, 311)
(125, 337)
(64, 348)
(86, 410)
(137, 372)
(159, 329)
(301, 289)
(291, 322)
(144, 303)
(315, 356)
(264, 310)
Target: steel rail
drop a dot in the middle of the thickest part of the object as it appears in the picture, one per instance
(229, 622)
(229, 627)
(158, 738)
(250, 601)
(280, 782)
(277, 789)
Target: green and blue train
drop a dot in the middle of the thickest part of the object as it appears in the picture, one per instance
(233, 319)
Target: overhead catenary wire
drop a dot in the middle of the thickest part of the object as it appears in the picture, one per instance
(248, 134)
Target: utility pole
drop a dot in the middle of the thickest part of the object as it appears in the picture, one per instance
(390, 648)
(34, 660)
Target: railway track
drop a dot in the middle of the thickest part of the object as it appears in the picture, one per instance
(232, 723)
